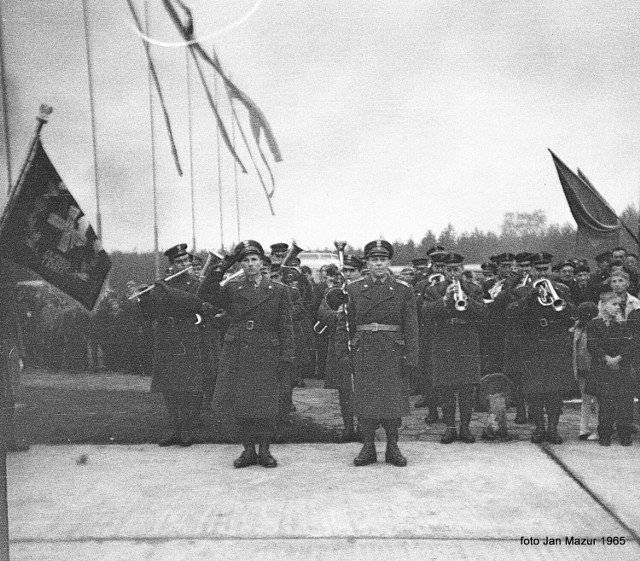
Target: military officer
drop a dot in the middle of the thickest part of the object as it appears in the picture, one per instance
(179, 360)
(379, 334)
(455, 309)
(257, 352)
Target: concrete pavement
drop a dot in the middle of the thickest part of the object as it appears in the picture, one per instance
(451, 502)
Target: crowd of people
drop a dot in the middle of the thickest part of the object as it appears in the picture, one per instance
(526, 333)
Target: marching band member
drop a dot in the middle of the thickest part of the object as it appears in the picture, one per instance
(545, 313)
(180, 362)
(455, 308)
(257, 351)
(379, 334)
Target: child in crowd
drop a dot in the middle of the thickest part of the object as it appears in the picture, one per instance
(611, 376)
(581, 366)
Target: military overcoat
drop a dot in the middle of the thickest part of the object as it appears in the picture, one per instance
(455, 347)
(546, 346)
(258, 339)
(381, 359)
(179, 362)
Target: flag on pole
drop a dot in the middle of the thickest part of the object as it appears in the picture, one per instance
(598, 224)
(44, 229)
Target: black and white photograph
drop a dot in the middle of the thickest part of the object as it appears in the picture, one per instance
(319, 280)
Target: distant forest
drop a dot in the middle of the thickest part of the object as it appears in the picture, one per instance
(520, 231)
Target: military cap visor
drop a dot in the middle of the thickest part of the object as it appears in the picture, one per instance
(420, 262)
(453, 259)
(542, 258)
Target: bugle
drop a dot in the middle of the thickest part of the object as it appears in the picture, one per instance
(166, 279)
(547, 295)
(213, 259)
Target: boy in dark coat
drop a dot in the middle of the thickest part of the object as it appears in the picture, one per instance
(611, 377)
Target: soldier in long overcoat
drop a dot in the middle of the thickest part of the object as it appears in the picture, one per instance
(383, 334)
(545, 350)
(455, 347)
(179, 361)
(257, 352)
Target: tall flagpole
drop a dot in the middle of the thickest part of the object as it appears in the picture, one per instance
(235, 169)
(5, 111)
(156, 247)
(193, 195)
(215, 94)
(87, 39)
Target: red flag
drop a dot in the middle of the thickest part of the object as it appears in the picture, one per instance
(598, 224)
(44, 228)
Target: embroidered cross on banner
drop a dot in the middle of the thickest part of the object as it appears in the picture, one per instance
(71, 235)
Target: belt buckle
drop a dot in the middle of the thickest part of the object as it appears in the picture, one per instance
(374, 327)
(544, 322)
(250, 324)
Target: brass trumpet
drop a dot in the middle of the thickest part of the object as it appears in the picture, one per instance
(547, 295)
(213, 259)
(460, 299)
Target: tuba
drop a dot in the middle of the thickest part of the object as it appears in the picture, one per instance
(460, 299)
(547, 295)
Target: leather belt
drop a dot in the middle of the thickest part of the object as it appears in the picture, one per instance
(378, 327)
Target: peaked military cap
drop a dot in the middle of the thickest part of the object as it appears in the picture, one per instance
(353, 262)
(566, 263)
(523, 258)
(583, 268)
(437, 254)
(249, 247)
(279, 248)
(504, 258)
(420, 261)
(489, 266)
(542, 258)
(378, 247)
(453, 259)
(176, 251)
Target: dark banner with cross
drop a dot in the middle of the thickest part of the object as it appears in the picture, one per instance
(44, 229)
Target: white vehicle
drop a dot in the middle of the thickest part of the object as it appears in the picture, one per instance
(316, 259)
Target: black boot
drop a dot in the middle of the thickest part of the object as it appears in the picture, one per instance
(393, 455)
(172, 402)
(554, 408)
(521, 414)
(450, 435)
(465, 435)
(265, 459)
(368, 453)
(349, 433)
(248, 456)
(536, 412)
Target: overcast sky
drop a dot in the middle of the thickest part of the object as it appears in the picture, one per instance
(392, 117)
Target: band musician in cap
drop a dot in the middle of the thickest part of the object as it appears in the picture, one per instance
(455, 310)
(544, 312)
(180, 357)
(379, 334)
(257, 353)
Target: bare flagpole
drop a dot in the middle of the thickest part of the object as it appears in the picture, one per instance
(193, 195)
(215, 95)
(87, 39)
(156, 247)
(5, 111)
(235, 168)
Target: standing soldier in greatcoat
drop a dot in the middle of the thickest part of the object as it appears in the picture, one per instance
(379, 334)
(257, 352)
(179, 360)
(546, 347)
(455, 309)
